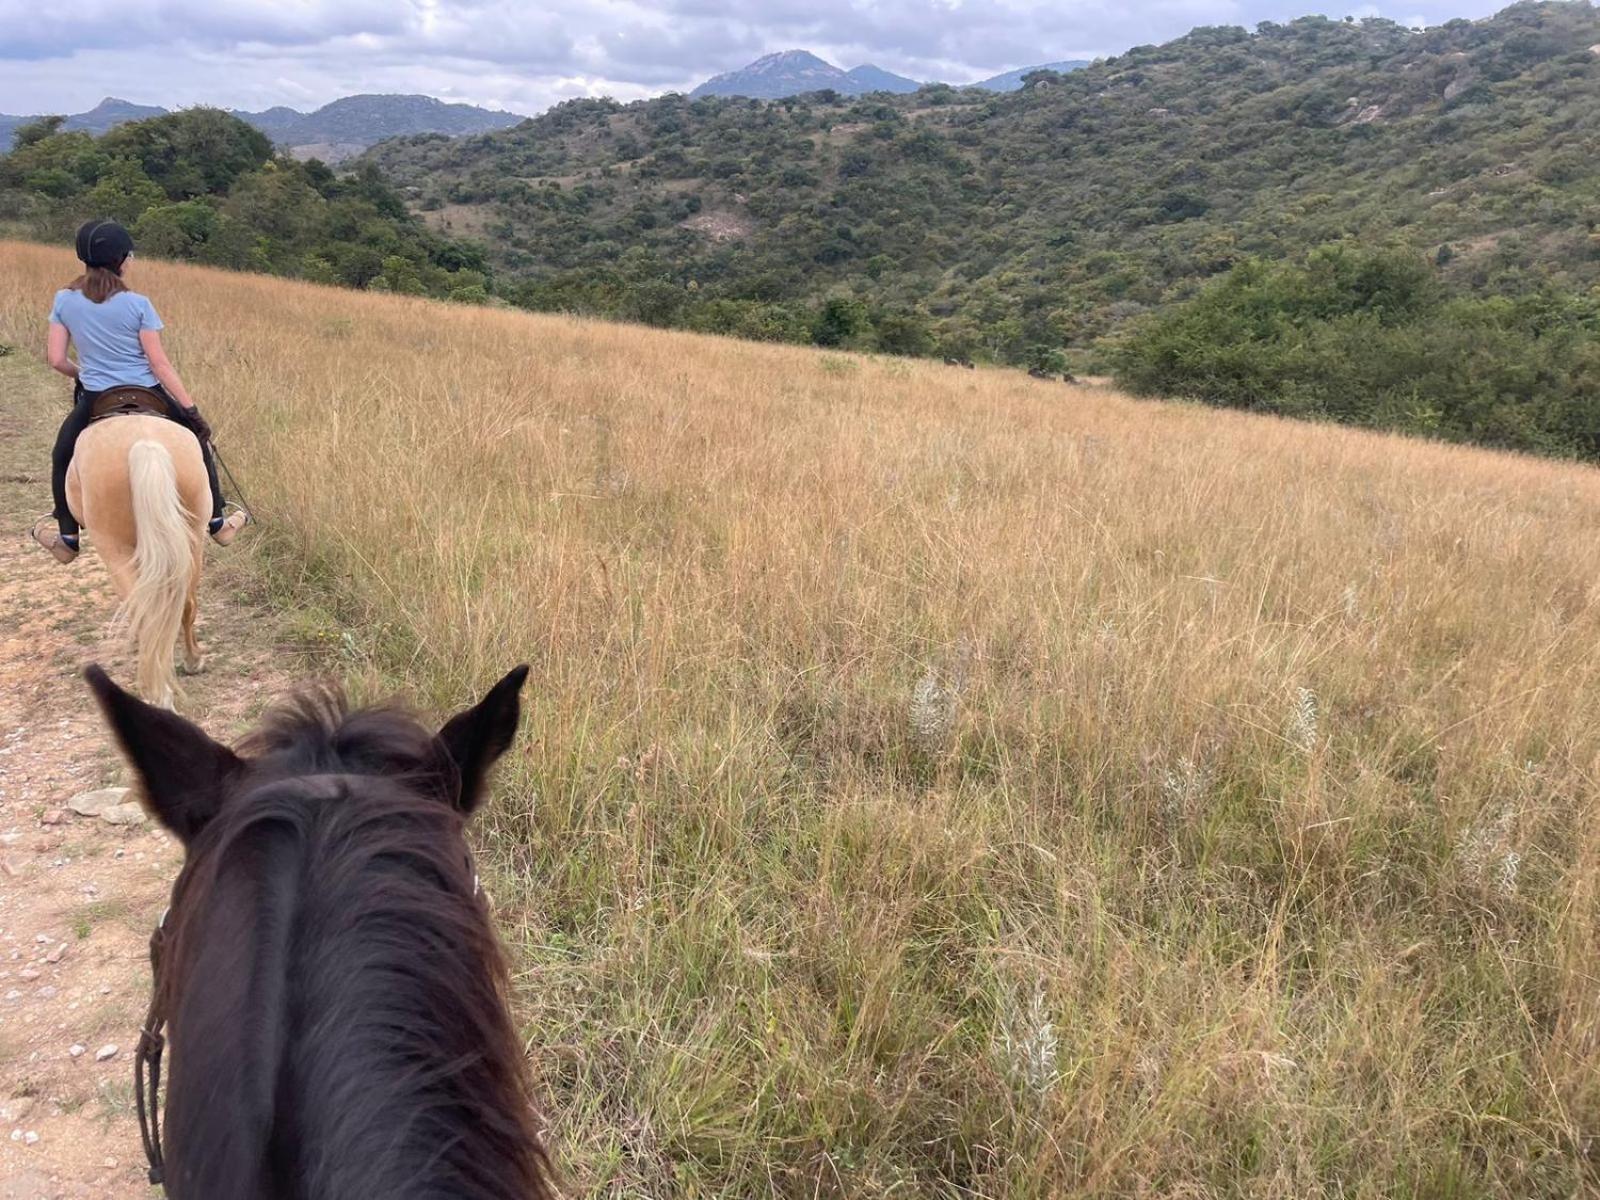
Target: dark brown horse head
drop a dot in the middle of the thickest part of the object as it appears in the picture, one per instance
(334, 992)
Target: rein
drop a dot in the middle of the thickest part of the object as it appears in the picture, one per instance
(147, 1062)
(152, 1043)
(233, 483)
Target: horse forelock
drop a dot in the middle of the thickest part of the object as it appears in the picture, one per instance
(316, 732)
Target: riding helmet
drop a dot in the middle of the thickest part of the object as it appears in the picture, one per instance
(104, 244)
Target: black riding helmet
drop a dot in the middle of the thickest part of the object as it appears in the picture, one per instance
(104, 244)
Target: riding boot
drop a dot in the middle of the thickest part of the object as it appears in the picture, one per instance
(61, 458)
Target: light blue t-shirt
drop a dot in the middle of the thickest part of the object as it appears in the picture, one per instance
(107, 337)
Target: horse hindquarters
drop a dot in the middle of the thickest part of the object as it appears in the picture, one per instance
(164, 564)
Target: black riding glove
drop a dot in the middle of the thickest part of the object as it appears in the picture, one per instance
(197, 423)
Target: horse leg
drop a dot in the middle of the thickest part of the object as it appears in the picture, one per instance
(119, 565)
(194, 661)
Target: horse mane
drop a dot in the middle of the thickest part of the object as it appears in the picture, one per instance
(333, 972)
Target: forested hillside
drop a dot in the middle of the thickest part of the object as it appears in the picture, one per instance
(1010, 226)
(203, 185)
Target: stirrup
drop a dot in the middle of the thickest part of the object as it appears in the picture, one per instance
(55, 542)
(225, 526)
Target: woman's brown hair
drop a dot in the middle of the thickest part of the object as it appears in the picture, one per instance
(98, 284)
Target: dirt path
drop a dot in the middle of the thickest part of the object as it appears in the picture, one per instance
(78, 896)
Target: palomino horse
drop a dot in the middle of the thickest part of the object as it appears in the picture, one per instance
(328, 974)
(138, 484)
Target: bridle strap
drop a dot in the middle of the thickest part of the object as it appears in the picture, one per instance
(147, 1063)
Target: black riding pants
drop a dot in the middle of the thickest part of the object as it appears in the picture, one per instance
(77, 421)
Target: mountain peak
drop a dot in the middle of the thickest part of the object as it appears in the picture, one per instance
(794, 72)
(111, 111)
(773, 76)
(790, 58)
(118, 104)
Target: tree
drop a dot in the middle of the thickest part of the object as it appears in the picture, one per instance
(32, 132)
(177, 230)
(195, 152)
(1048, 359)
(399, 275)
(841, 322)
(904, 333)
(59, 165)
(355, 266)
(124, 193)
(654, 301)
(277, 202)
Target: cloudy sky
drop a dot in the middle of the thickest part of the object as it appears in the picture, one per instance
(524, 57)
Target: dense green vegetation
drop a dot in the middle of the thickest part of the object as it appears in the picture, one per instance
(205, 186)
(1376, 339)
(1063, 216)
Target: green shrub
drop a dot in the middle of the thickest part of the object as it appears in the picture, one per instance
(1371, 338)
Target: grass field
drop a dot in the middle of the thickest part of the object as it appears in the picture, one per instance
(945, 783)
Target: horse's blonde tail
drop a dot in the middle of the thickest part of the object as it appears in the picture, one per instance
(163, 562)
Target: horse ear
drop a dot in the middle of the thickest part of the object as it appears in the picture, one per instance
(182, 771)
(471, 741)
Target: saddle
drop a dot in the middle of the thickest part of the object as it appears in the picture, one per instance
(128, 400)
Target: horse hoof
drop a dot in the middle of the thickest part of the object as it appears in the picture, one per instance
(197, 667)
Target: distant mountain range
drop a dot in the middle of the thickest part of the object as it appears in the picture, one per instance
(356, 122)
(333, 132)
(794, 72)
(97, 120)
(350, 125)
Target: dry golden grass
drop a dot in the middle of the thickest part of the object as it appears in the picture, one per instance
(947, 783)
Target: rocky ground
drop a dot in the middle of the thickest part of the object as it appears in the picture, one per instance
(82, 885)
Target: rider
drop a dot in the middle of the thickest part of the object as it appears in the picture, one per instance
(118, 338)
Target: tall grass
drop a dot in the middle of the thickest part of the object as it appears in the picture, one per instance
(947, 783)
